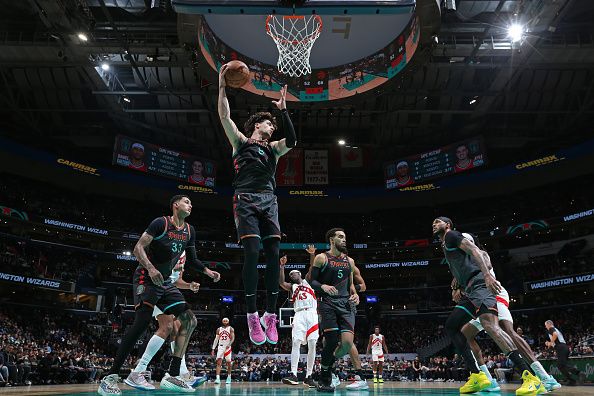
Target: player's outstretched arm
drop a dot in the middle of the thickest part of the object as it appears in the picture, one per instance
(283, 146)
(235, 137)
(281, 275)
(311, 249)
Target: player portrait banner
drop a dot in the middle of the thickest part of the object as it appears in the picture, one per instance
(565, 281)
(53, 284)
(316, 166)
(444, 161)
(153, 159)
(289, 171)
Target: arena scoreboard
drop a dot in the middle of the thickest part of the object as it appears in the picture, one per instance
(448, 160)
(156, 160)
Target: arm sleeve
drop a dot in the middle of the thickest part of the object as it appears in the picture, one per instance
(156, 228)
(191, 252)
(291, 138)
(215, 342)
(453, 239)
(315, 283)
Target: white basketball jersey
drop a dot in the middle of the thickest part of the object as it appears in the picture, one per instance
(503, 294)
(376, 343)
(303, 296)
(177, 270)
(224, 336)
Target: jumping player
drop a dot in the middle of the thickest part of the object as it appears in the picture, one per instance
(168, 327)
(471, 272)
(255, 206)
(332, 279)
(506, 322)
(166, 238)
(377, 345)
(305, 323)
(224, 339)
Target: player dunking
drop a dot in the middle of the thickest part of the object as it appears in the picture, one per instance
(506, 322)
(305, 323)
(224, 339)
(377, 345)
(332, 279)
(168, 326)
(254, 204)
(471, 272)
(166, 238)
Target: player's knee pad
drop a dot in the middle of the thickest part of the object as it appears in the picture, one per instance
(331, 340)
(251, 246)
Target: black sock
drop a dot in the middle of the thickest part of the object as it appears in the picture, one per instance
(174, 366)
(271, 253)
(142, 319)
(453, 326)
(251, 251)
(519, 362)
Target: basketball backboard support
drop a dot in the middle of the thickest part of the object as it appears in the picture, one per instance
(267, 7)
(363, 44)
(286, 316)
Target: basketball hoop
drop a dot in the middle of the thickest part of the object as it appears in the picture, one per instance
(294, 36)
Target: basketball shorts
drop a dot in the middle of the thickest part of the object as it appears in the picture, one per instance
(256, 214)
(305, 326)
(167, 298)
(337, 314)
(478, 300)
(377, 356)
(224, 352)
(503, 312)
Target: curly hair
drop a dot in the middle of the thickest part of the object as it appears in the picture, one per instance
(257, 118)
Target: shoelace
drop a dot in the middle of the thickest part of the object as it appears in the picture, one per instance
(270, 320)
(254, 321)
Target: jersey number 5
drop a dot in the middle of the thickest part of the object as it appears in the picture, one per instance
(340, 274)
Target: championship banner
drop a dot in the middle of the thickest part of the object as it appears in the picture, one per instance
(571, 280)
(53, 284)
(289, 170)
(316, 166)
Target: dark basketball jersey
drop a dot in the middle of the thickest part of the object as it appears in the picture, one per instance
(169, 242)
(336, 272)
(254, 164)
(462, 266)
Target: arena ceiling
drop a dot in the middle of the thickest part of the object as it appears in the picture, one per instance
(523, 97)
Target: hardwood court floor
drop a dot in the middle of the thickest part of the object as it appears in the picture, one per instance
(278, 389)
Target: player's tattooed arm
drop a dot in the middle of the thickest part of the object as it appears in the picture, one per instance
(487, 259)
(470, 248)
(140, 253)
(235, 137)
(281, 274)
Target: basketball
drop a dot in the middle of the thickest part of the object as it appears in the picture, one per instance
(237, 74)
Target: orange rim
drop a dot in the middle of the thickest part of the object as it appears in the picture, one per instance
(294, 42)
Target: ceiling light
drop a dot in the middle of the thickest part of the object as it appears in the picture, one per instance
(515, 32)
(341, 142)
(83, 37)
(105, 66)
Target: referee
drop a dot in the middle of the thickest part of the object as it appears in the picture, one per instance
(557, 341)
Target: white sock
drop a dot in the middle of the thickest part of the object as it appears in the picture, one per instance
(374, 374)
(539, 370)
(183, 369)
(153, 346)
(485, 370)
(311, 356)
(218, 377)
(295, 354)
(172, 346)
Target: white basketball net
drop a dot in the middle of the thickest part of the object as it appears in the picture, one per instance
(294, 36)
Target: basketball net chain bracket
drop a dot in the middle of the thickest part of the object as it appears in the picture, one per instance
(294, 36)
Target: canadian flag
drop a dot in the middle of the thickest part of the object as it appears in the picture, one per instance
(351, 157)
